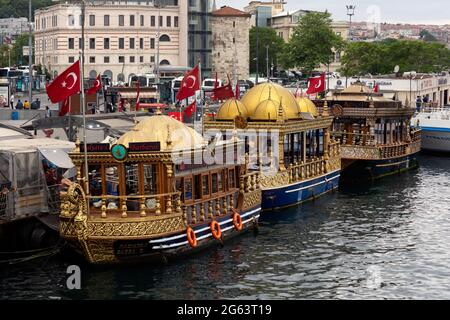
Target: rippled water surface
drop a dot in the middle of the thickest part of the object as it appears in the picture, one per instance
(387, 240)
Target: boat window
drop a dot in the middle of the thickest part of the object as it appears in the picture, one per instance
(286, 149)
(214, 183)
(205, 185)
(188, 189)
(150, 179)
(112, 180)
(95, 180)
(198, 186)
(231, 179)
(219, 181)
(179, 187)
(132, 179)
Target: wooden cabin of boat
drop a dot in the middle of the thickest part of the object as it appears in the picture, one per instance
(149, 197)
(293, 139)
(375, 133)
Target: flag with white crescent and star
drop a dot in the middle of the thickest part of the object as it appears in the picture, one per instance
(316, 84)
(65, 85)
(95, 86)
(189, 85)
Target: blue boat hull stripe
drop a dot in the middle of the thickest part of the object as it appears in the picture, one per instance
(303, 181)
(313, 185)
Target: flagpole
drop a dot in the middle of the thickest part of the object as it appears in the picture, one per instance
(200, 85)
(83, 101)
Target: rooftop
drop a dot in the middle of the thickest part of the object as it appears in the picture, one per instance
(226, 11)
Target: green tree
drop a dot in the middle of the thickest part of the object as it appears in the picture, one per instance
(425, 35)
(19, 8)
(267, 37)
(381, 57)
(17, 50)
(313, 42)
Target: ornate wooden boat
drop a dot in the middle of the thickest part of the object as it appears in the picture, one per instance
(288, 142)
(153, 196)
(375, 133)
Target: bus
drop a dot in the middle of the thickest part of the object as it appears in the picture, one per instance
(145, 80)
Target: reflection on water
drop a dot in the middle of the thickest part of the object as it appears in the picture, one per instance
(386, 240)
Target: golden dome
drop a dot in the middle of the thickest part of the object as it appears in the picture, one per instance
(230, 109)
(266, 110)
(307, 106)
(274, 92)
(158, 128)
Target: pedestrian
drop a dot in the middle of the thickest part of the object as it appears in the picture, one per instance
(19, 105)
(48, 113)
(418, 103)
(11, 101)
(26, 105)
(127, 106)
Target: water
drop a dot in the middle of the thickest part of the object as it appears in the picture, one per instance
(389, 240)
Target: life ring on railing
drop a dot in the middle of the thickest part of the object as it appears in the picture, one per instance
(237, 221)
(215, 230)
(192, 238)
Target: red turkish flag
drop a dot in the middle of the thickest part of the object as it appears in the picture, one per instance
(176, 115)
(190, 109)
(96, 86)
(65, 85)
(238, 91)
(316, 84)
(65, 107)
(138, 103)
(224, 92)
(376, 88)
(189, 85)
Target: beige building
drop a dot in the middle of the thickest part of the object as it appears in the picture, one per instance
(121, 37)
(266, 10)
(230, 43)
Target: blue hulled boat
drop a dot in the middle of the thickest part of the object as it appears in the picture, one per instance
(286, 140)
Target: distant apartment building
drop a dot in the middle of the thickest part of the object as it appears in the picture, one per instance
(230, 43)
(264, 10)
(11, 28)
(121, 37)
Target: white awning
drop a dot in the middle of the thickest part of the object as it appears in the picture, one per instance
(58, 157)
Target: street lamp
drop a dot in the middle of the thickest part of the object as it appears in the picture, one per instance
(350, 13)
(30, 52)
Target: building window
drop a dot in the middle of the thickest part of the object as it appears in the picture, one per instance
(234, 24)
(164, 63)
(169, 21)
(131, 43)
(142, 20)
(121, 59)
(71, 43)
(152, 43)
(71, 59)
(106, 43)
(121, 43)
(91, 43)
(234, 40)
(337, 57)
(92, 20)
(141, 43)
(175, 22)
(91, 59)
(131, 59)
(80, 43)
(161, 19)
(152, 21)
(121, 20)
(106, 20)
(71, 20)
(164, 38)
(132, 20)
(152, 59)
(106, 59)
(141, 59)
(338, 34)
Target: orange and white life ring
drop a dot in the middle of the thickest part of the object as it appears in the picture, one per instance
(237, 221)
(215, 230)
(192, 238)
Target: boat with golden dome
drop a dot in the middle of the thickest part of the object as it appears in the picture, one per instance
(154, 195)
(287, 142)
(376, 135)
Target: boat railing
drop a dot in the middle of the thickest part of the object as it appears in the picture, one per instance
(354, 138)
(208, 209)
(135, 205)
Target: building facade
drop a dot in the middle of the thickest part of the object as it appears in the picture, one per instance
(230, 43)
(199, 34)
(11, 28)
(436, 88)
(266, 10)
(121, 37)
